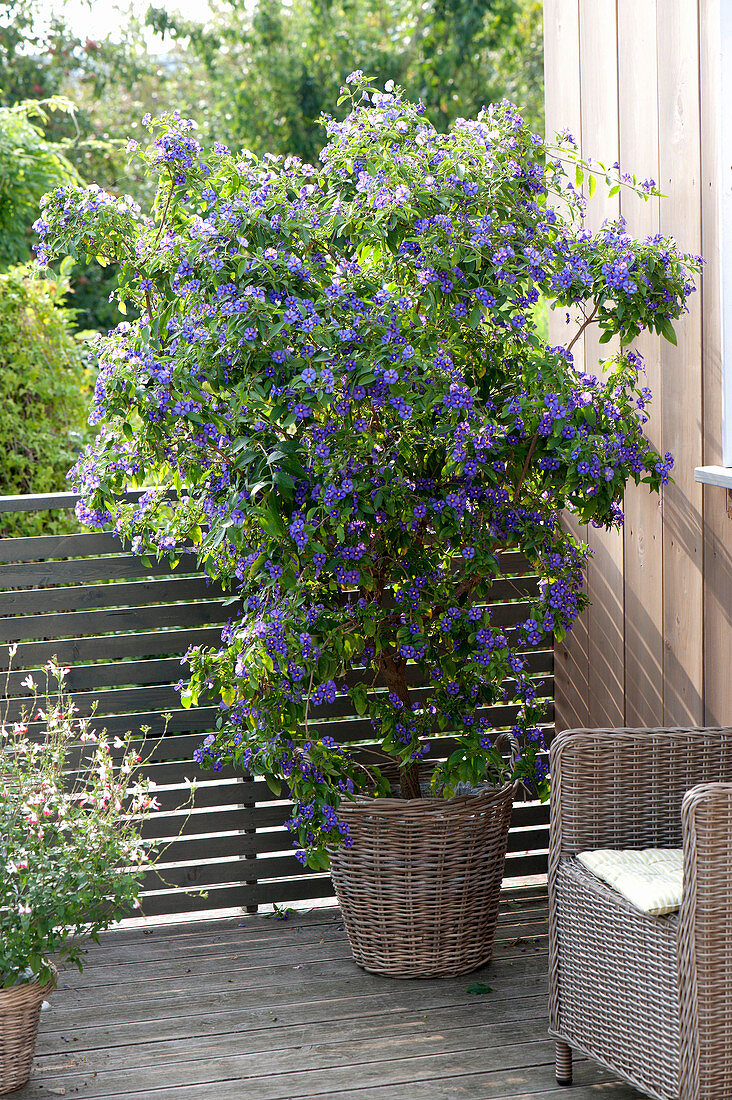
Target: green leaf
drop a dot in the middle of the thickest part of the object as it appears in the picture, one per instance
(360, 699)
(258, 486)
(272, 524)
(479, 988)
(274, 784)
(187, 698)
(319, 861)
(592, 185)
(667, 331)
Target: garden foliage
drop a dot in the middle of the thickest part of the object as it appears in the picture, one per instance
(455, 55)
(71, 809)
(30, 165)
(45, 385)
(338, 388)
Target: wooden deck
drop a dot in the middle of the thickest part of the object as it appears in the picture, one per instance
(255, 1008)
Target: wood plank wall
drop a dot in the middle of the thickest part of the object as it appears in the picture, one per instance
(637, 81)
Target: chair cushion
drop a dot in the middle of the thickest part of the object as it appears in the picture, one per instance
(652, 879)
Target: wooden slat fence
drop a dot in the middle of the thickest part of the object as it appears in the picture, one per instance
(122, 627)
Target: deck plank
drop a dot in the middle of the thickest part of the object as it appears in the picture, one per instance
(250, 1008)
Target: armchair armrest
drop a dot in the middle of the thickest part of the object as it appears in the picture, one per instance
(705, 942)
(623, 788)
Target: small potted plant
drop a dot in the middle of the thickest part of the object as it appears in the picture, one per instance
(336, 378)
(72, 858)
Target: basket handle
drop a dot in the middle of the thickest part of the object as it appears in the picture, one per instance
(515, 753)
(515, 748)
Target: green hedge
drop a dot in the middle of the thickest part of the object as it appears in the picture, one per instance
(45, 384)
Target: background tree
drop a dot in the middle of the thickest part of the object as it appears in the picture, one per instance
(45, 383)
(277, 65)
(254, 75)
(30, 165)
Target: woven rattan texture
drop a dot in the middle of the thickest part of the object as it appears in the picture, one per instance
(627, 1015)
(419, 889)
(705, 943)
(20, 1009)
(649, 997)
(624, 788)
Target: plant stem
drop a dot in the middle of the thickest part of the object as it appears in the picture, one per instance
(583, 326)
(525, 470)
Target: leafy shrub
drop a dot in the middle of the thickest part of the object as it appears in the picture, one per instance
(30, 165)
(338, 378)
(72, 804)
(44, 389)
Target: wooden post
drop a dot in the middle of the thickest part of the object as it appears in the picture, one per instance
(250, 858)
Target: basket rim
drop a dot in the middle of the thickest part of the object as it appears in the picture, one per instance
(28, 991)
(454, 802)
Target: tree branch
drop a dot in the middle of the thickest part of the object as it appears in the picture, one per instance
(525, 470)
(587, 321)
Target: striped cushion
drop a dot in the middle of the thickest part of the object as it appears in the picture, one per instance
(652, 879)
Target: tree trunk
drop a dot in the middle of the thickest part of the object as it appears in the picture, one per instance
(394, 671)
(409, 781)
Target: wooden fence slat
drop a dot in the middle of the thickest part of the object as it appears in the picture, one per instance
(717, 506)
(60, 625)
(306, 887)
(117, 647)
(193, 849)
(207, 795)
(226, 818)
(562, 110)
(169, 670)
(32, 574)
(599, 105)
(165, 697)
(44, 548)
(27, 627)
(638, 109)
(164, 670)
(680, 167)
(136, 594)
(42, 502)
(47, 547)
(118, 701)
(193, 723)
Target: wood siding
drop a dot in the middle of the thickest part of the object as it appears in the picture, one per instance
(637, 81)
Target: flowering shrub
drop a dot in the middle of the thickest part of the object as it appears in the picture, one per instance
(337, 384)
(71, 854)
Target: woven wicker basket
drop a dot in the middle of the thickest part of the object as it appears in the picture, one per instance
(419, 888)
(20, 1010)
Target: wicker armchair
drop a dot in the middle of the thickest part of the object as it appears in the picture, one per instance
(648, 997)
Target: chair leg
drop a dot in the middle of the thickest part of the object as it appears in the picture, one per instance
(563, 1064)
